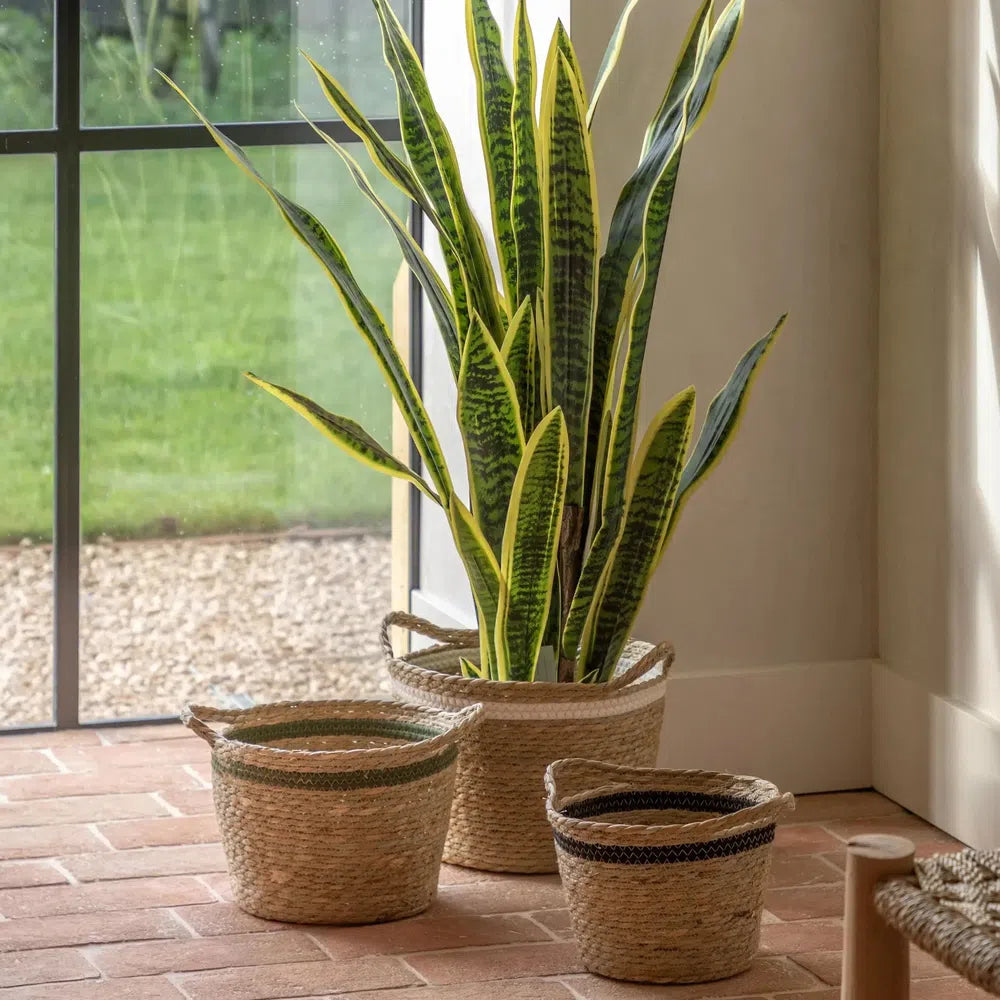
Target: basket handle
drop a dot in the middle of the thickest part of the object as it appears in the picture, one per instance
(197, 717)
(458, 638)
(661, 653)
(465, 720)
(583, 773)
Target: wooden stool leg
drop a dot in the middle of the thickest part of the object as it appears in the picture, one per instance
(876, 956)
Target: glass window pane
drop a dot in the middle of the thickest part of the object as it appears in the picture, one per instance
(230, 551)
(25, 64)
(237, 59)
(26, 420)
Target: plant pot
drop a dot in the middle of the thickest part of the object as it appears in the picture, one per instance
(333, 812)
(498, 820)
(664, 871)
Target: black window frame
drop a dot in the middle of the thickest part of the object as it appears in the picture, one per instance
(66, 140)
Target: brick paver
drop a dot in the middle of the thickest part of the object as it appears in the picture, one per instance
(112, 887)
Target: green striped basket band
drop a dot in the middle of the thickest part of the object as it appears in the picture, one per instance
(329, 781)
(390, 729)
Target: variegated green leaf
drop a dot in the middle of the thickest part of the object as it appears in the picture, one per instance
(365, 316)
(610, 60)
(468, 668)
(560, 43)
(484, 579)
(652, 491)
(720, 47)
(530, 543)
(379, 150)
(607, 526)
(490, 422)
(722, 419)
(345, 433)
(680, 81)
(435, 163)
(626, 234)
(526, 196)
(495, 91)
(572, 239)
(403, 177)
(654, 228)
(544, 355)
(520, 357)
(588, 587)
(437, 295)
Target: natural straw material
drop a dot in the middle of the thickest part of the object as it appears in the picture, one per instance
(498, 818)
(664, 871)
(953, 913)
(333, 812)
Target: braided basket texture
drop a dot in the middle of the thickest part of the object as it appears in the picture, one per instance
(664, 871)
(333, 812)
(498, 816)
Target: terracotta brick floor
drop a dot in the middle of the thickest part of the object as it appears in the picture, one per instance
(113, 887)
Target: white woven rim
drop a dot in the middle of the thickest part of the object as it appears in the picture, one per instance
(597, 708)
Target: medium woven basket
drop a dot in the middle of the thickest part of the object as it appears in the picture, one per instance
(498, 817)
(664, 871)
(333, 811)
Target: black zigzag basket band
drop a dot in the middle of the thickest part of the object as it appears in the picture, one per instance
(641, 801)
(670, 854)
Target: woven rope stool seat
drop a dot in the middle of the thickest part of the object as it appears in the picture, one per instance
(951, 910)
(333, 812)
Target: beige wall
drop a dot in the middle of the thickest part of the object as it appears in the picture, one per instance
(774, 561)
(940, 350)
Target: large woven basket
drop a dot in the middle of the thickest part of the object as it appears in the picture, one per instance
(498, 817)
(333, 812)
(664, 871)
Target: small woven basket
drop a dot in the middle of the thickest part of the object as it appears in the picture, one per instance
(333, 811)
(665, 871)
(498, 818)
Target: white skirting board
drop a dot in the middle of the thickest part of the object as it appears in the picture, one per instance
(938, 758)
(806, 727)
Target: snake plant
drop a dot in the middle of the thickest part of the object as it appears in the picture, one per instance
(565, 519)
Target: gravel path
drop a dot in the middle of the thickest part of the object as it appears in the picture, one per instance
(223, 621)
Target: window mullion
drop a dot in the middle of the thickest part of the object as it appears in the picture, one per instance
(66, 535)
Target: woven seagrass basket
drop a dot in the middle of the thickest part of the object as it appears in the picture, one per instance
(664, 871)
(333, 812)
(498, 816)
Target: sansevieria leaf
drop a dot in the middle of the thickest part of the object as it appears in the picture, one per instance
(651, 495)
(379, 150)
(403, 177)
(526, 196)
(435, 163)
(495, 92)
(610, 60)
(437, 295)
(680, 82)
(490, 421)
(722, 419)
(485, 580)
(345, 433)
(365, 316)
(720, 46)
(572, 239)
(625, 236)
(654, 229)
(520, 355)
(530, 542)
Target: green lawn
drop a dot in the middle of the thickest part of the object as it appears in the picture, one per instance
(188, 277)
